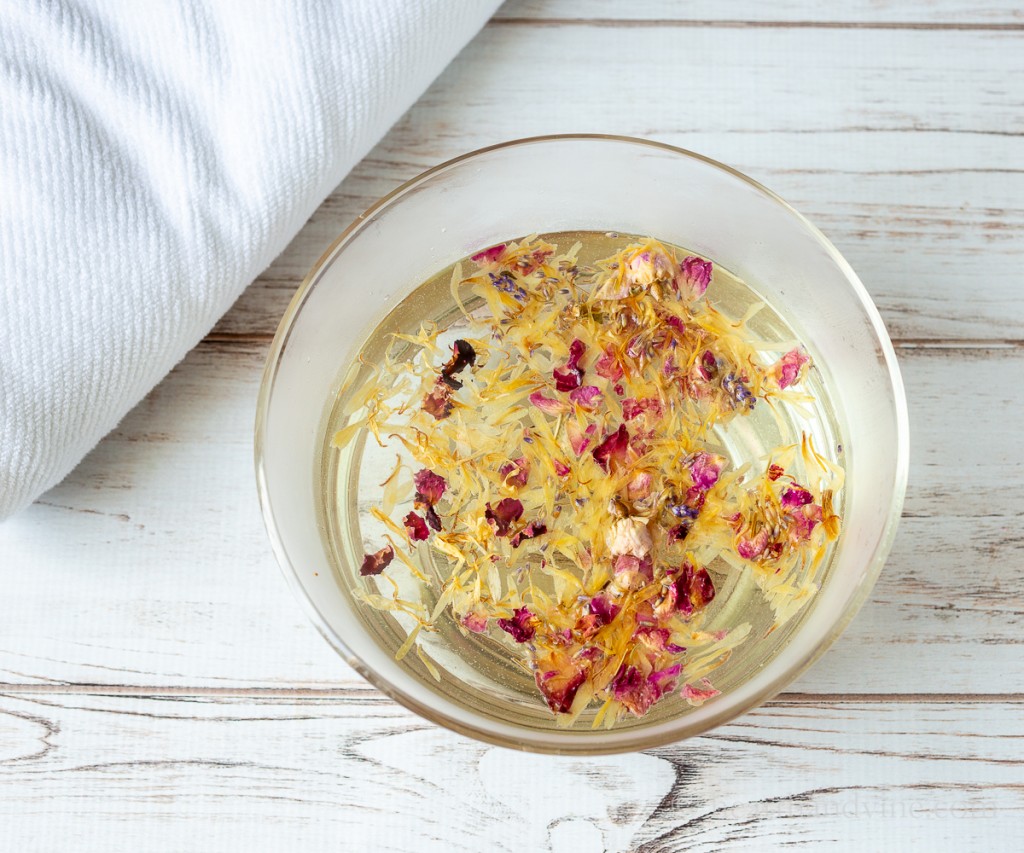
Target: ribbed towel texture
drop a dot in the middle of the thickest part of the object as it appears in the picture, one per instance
(154, 158)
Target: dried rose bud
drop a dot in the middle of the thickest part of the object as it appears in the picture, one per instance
(789, 369)
(429, 486)
(694, 276)
(629, 536)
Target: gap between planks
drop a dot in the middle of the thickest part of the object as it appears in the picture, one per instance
(368, 694)
(726, 23)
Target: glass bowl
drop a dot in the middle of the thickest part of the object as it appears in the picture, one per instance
(545, 185)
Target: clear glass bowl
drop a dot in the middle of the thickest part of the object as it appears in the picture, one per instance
(562, 183)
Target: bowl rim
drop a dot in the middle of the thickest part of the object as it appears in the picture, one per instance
(584, 745)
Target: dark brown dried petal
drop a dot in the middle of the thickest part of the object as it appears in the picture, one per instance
(463, 356)
(374, 564)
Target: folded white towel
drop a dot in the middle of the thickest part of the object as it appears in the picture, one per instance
(154, 158)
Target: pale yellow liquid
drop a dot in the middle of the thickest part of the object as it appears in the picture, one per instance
(477, 670)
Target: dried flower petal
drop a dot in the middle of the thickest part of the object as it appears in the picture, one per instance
(694, 588)
(708, 365)
(489, 256)
(502, 516)
(586, 395)
(665, 679)
(433, 520)
(547, 405)
(516, 473)
(374, 564)
(775, 471)
(438, 401)
(796, 496)
(751, 549)
(803, 522)
(603, 608)
(653, 638)
(579, 440)
(705, 470)
(520, 626)
(531, 531)
(698, 694)
(569, 377)
(636, 693)
(559, 679)
(416, 527)
(632, 572)
(614, 449)
(475, 621)
(607, 365)
(633, 408)
(463, 356)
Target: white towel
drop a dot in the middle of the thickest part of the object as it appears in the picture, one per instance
(154, 158)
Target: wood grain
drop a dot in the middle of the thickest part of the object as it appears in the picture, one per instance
(162, 574)
(907, 149)
(360, 773)
(661, 13)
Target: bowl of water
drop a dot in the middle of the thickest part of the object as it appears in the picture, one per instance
(581, 444)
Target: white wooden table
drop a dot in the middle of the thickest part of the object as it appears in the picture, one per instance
(162, 691)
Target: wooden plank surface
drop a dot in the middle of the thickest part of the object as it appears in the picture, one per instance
(357, 772)
(160, 690)
(904, 147)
